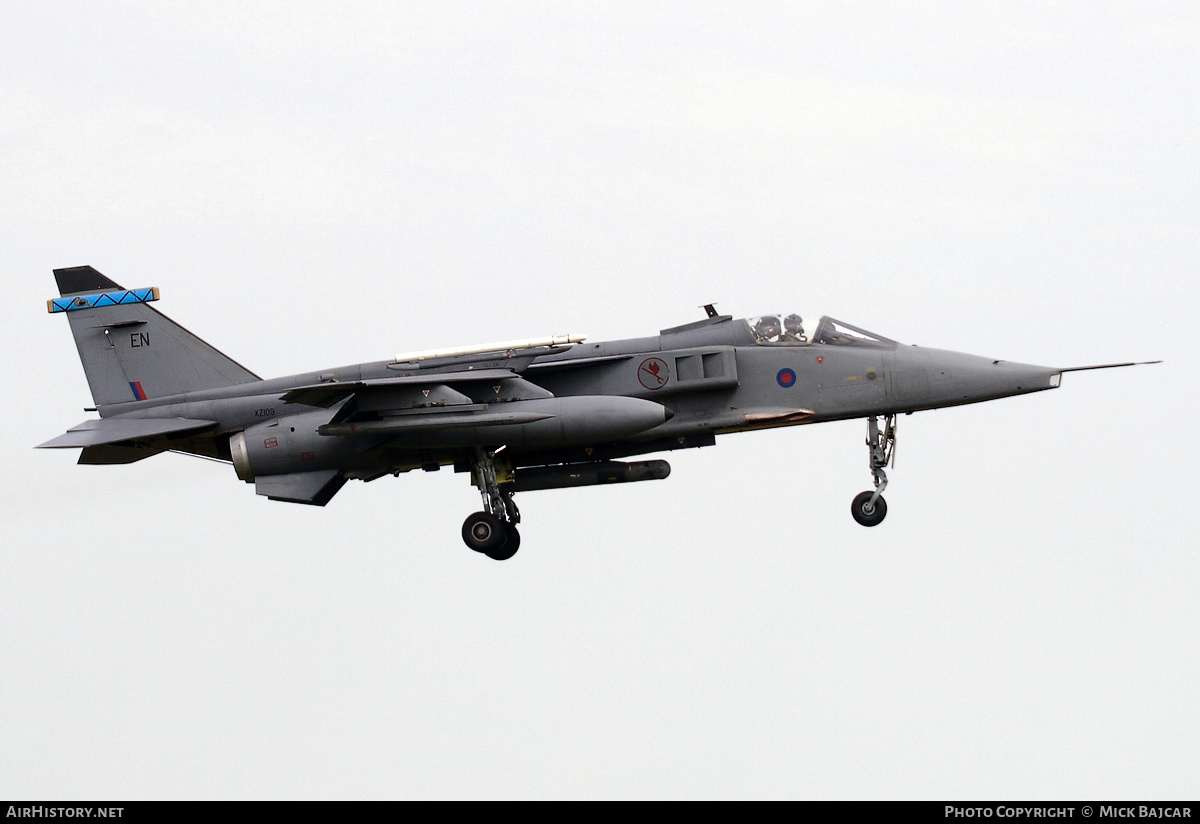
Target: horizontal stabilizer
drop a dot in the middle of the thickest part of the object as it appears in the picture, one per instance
(119, 453)
(314, 488)
(114, 430)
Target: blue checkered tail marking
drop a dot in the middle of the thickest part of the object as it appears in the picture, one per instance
(77, 302)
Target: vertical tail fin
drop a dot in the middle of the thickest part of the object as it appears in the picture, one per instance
(131, 351)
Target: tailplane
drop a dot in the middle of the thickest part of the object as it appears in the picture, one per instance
(131, 351)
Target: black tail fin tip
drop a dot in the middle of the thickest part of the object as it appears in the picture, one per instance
(78, 279)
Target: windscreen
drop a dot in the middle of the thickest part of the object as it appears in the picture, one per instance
(792, 330)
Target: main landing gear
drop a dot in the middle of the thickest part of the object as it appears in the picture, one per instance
(869, 508)
(493, 531)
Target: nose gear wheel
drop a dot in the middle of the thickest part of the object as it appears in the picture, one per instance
(869, 508)
(865, 512)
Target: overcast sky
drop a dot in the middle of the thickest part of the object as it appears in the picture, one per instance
(315, 184)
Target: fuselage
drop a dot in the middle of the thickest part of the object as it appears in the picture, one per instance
(714, 377)
(540, 413)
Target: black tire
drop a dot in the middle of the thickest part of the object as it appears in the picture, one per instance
(484, 532)
(872, 518)
(510, 546)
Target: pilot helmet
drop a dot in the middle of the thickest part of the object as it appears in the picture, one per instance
(793, 323)
(767, 326)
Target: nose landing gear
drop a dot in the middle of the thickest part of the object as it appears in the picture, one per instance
(869, 508)
(494, 530)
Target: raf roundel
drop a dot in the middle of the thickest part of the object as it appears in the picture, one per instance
(786, 378)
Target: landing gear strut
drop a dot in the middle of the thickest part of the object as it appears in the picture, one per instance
(494, 530)
(869, 508)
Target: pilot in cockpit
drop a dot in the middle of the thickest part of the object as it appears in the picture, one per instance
(766, 329)
(793, 329)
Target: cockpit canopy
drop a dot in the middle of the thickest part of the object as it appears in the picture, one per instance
(789, 330)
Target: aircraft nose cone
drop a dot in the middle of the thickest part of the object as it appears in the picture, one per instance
(932, 378)
(1001, 378)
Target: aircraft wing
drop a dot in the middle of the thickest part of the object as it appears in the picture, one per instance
(456, 408)
(328, 394)
(574, 363)
(114, 430)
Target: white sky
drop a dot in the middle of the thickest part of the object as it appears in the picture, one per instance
(313, 185)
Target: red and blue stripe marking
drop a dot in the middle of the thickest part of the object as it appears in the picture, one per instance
(139, 394)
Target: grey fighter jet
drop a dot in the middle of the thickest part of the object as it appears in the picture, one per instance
(518, 416)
